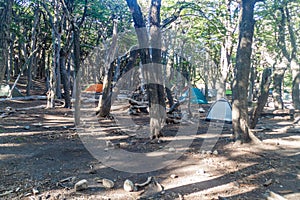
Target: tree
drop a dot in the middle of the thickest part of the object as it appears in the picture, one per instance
(240, 117)
(151, 58)
(5, 20)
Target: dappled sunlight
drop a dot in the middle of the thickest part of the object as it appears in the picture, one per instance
(11, 144)
(10, 156)
(19, 134)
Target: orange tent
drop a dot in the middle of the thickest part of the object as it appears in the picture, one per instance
(94, 88)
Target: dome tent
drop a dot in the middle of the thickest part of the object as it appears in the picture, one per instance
(220, 111)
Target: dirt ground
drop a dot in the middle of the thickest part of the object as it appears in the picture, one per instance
(42, 156)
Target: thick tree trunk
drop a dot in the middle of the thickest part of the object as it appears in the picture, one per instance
(153, 67)
(263, 97)
(240, 117)
(156, 89)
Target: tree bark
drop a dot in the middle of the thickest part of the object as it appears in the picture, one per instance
(240, 117)
(157, 103)
(279, 71)
(263, 97)
(105, 99)
(296, 84)
(76, 38)
(5, 20)
(64, 79)
(33, 47)
(154, 70)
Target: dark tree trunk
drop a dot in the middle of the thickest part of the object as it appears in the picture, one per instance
(154, 78)
(64, 79)
(76, 38)
(240, 117)
(5, 20)
(33, 47)
(279, 71)
(153, 71)
(263, 97)
(105, 99)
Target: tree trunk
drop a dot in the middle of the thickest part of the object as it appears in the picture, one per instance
(240, 117)
(33, 47)
(296, 84)
(279, 71)
(263, 97)
(64, 79)
(156, 89)
(76, 43)
(5, 21)
(105, 99)
(252, 89)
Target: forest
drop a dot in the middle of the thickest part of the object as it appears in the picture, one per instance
(200, 99)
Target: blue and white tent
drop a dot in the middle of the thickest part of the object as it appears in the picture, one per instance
(220, 111)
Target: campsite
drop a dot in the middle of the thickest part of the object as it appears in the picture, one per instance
(141, 100)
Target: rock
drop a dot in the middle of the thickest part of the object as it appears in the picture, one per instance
(172, 149)
(26, 127)
(174, 176)
(215, 152)
(81, 185)
(153, 188)
(35, 191)
(201, 110)
(108, 183)
(268, 182)
(128, 186)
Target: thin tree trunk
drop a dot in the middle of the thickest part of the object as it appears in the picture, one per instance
(296, 84)
(105, 99)
(64, 80)
(76, 39)
(263, 97)
(33, 47)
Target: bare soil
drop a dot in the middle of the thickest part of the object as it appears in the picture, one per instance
(40, 148)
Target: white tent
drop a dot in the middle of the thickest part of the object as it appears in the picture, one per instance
(220, 111)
